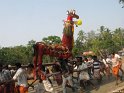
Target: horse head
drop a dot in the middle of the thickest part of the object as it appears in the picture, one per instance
(69, 23)
(72, 14)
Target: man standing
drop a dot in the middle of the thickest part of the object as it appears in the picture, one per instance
(21, 77)
(66, 75)
(89, 63)
(107, 63)
(2, 79)
(83, 74)
(96, 69)
(116, 65)
(9, 88)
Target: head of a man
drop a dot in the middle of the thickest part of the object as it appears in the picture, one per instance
(1, 66)
(113, 54)
(94, 58)
(30, 68)
(89, 58)
(18, 65)
(79, 60)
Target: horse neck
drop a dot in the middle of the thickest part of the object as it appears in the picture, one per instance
(75, 16)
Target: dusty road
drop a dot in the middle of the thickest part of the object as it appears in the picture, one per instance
(107, 86)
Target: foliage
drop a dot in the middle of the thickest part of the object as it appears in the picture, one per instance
(11, 55)
(52, 40)
(79, 43)
(103, 40)
(122, 2)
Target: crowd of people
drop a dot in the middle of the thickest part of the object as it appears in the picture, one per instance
(83, 70)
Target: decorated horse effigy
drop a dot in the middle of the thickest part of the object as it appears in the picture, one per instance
(63, 50)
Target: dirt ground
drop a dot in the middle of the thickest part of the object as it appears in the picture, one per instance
(107, 86)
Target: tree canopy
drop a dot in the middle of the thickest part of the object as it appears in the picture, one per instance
(103, 39)
(122, 2)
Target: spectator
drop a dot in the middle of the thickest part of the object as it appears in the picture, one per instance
(83, 74)
(89, 63)
(116, 65)
(9, 87)
(21, 77)
(44, 77)
(7, 72)
(66, 75)
(107, 63)
(96, 69)
(2, 79)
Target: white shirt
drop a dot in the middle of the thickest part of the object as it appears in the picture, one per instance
(117, 56)
(2, 77)
(47, 86)
(83, 74)
(7, 74)
(82, 66)
(21, 77)
(106, 61)
(114, 60)
(89, 63)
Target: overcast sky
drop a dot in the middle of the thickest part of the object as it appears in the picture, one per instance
(24, 20)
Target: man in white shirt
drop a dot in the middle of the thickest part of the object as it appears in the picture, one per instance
(9, 86)
(83, 74)
(21, 77)
(89, 63)
(7, 72)
(66, 75)
(116, 65)
(47, 85)
(107, 62)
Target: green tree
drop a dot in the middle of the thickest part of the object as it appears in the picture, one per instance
(52, 40)
(88, 43)
(118, 38)
(105, 37)
(31, 43)
(122, 2)
(102, 40)
(29, 50)
(79, 43)
(11, 55)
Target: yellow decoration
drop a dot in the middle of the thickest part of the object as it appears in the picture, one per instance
(79, 22)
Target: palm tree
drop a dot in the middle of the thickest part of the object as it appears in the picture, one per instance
(122, 2)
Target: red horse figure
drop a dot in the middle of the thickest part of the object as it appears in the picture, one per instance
(68, 31)
(60, 51)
